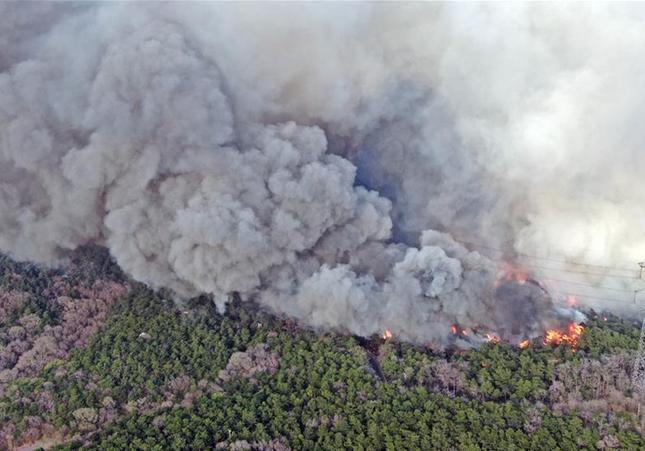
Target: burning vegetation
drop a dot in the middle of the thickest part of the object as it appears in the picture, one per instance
(523, 295)
(569, 336)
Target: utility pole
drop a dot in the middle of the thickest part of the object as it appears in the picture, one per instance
(638, 373)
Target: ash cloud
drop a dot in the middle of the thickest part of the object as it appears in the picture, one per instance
(319, 159)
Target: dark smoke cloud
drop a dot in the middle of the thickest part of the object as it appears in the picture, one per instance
(302, 155)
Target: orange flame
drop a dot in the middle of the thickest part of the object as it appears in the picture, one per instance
(571, 300)
(569, 336)
(509, 274)
(518, 275)
(525, 344)
(492, 338)
(453, 329)
(387, 335)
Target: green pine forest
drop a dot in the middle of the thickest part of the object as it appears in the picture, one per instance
(90, 360)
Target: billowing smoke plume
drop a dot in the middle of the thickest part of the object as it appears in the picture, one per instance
(319, 159)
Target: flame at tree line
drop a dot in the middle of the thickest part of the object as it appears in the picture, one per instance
(568, 335)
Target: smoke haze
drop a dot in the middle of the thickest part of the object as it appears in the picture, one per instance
(321, 159)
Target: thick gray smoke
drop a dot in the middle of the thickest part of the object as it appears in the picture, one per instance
(319, 159)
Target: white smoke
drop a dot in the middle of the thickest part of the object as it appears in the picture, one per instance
(291, 153)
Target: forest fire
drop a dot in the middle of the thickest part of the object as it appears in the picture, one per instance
(456, 330)
(386, 335)
(570, 336)
(567, 335)
(511, 274)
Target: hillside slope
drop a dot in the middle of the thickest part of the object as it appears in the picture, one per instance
(88, 359)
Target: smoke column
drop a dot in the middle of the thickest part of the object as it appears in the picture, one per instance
(319, 159)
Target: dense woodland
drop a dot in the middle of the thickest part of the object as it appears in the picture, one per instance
(91, 360)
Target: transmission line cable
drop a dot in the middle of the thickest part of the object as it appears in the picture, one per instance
(567, 271)
(619, 301)
(586, 285)
(591, 265)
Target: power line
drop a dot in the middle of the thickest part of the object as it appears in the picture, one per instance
(484, 246)
(570, 271)
(584, 272)
(569, 262)
(586, 285)
(620, 301)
